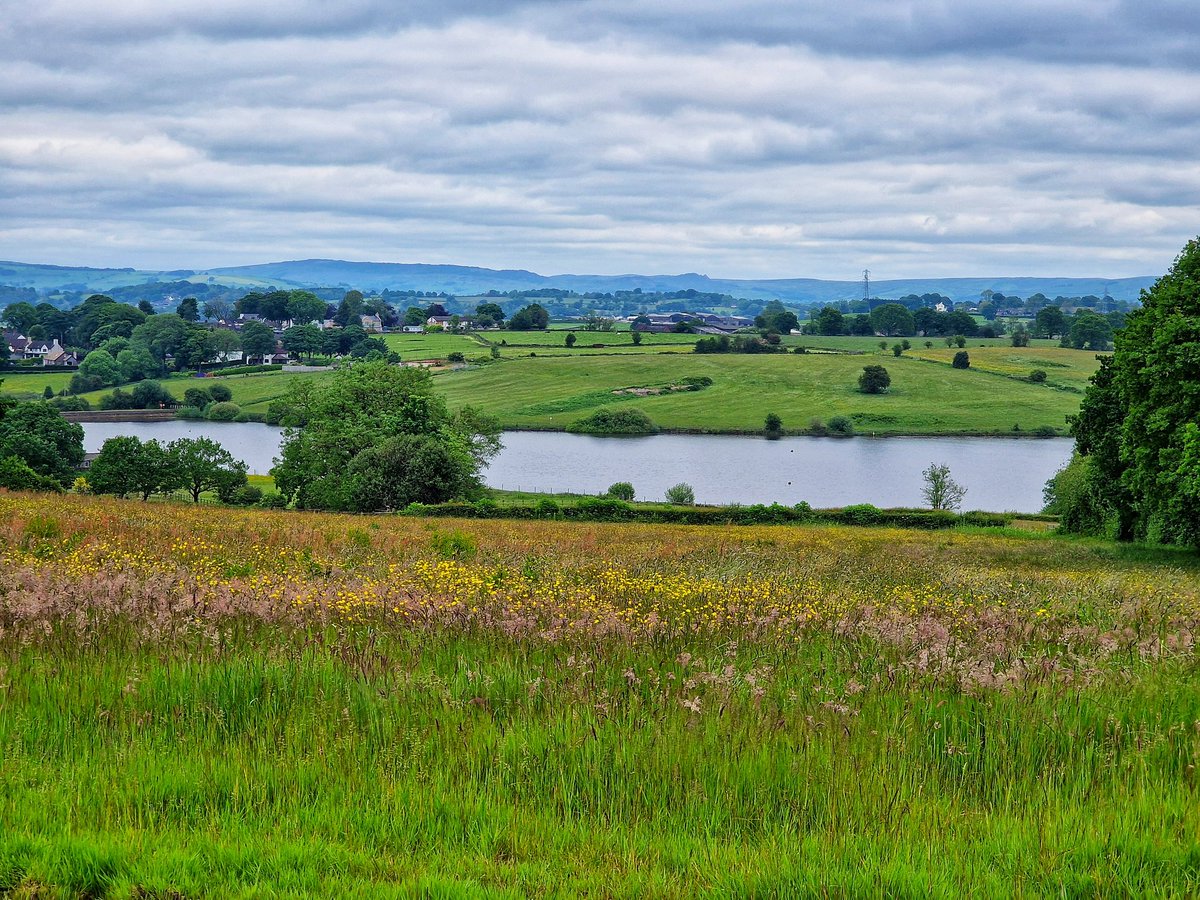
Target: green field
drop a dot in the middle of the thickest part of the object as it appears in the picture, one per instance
(437, 345)
(925, 398)
(586, 339)
(200, 702)
(30, 385)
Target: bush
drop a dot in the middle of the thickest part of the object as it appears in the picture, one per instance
(615, 421)
(1037, 376)
(70, 404)
(16, 475)
(874, 379)
(817, 427)
(220, 393)
(247, 495)
(189, 412)
(82, 384)
(151, 395)
(695, 381)
(118, 399)
(1045, 431)
(841, 426)
(273, 501)
(456, 357)
(962, 359)
(773, 427)
(897, 349)
(197, 397)
(861, 514)
(621, 490)
(602, 509)
(960, 341)
(681, 494)
(546, 508)
(222, 412)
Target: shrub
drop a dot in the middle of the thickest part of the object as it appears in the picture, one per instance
(874, 379)
(897, 349)
(960, 341)
(570, 339)
(773, 427)
(861, 514)
(546, 508)
(197, 397)
(615, 421)
(118, 399)
(247, 495)
(222, 412)
(1045, 431)
(681, 494)
(220, 393)
(621, 490)
(817, 427)
(841, 426)
(1037, 376)
(189, 412)
(962, 359)
(456, 357)
(602, 509)
(636, 337)
(695, 381)
(70, 404)
(454, 545)
(16, 475)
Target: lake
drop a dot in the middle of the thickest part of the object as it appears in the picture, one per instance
(1000, 474)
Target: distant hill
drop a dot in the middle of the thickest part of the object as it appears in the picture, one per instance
(470, 280)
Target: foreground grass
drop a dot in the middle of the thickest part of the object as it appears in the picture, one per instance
(925, 397)
(240, 703)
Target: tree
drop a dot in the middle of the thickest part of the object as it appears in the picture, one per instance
(20, 316)
(414, 315)
(218, 309)
(1019, 337)
(305, 306)
(636, 337)
(137, 363)
(197, 349)
(188, 309)
(874, 380)
(101, 367)
(1137, 420)
(373, 406)
(829, 321)
(1091, 331)
(773, 427)
(204, 465)
(570, 340)
(681, 494)
(941, 491)
(124, 467)
(163, 335)
(962, 360)
(302, 340)
(1050, 321)
(146, 307)
(621, 490)
(529, 318)
(893, 320)
(486, 315)
(225, 342)
(778, 318)
(197, 397)
(38, 434)
(258, 340)
(151, 395)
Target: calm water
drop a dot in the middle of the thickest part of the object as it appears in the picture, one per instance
(1000, 473)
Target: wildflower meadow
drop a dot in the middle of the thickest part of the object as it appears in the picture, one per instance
(216, 702)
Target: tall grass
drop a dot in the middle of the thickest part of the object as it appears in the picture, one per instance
(810, 712)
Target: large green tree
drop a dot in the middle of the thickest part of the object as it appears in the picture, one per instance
(415, 449)
(892, 320)
(38, 434)
(1136, 427)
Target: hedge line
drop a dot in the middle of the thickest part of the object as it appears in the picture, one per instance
(600, 509)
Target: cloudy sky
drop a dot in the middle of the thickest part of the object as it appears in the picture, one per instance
(738, 138)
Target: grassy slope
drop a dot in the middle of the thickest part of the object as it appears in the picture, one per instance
(925, 398)
(451, 753)
(434, 346)
(30, 385)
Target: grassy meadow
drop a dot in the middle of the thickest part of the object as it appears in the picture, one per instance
(199, 702)
(925, 397)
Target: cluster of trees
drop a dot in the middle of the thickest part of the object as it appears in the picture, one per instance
(128, 466)
(39, 449)
(352, 340)
(530, 318)
(375, 437)
(740, 343)
(777, 318)
(1136, 469)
